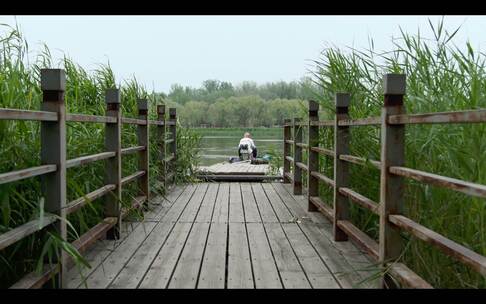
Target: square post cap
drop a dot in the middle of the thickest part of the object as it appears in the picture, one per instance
(172, 112)
(112, 96)
(342, 100)
(313, 105)
(142, 104)
(394, 84)
(161, 109)
(53, 80)
(287, 120)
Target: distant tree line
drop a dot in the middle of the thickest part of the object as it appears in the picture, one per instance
(222, 104)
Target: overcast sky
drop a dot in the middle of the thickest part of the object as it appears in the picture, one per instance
(162, 50)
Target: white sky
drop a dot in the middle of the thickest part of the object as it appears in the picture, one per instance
(162, 50)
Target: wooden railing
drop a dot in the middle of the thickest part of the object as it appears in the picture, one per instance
(392, 167)
(53, 118)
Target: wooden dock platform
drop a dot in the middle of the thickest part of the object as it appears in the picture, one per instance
(240, 168)
(227, 235)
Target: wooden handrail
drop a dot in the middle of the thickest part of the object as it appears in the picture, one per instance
(471, 116)
(391, 165)
(17, 114)
(53, 118)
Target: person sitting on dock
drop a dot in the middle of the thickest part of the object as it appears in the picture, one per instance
(246, 143)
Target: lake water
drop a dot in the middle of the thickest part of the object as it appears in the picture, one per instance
(216, 149)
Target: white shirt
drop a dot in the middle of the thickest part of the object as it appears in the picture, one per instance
(249, 142)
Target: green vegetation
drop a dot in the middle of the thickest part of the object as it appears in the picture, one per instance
(440, 77)
(20, 148)
(238, 132)
(219, 104)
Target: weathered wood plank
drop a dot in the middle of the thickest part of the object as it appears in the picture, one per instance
(328, 181)
(236, 204)
(360, 161)
(298, 204)
(92, 235)
(34, 280)
(207, 206)
(187, 269)
(83, 160)
(133, 272)
(249, 204)
(192, 208)
(407, 277)
(324, 123)
(470, 116)
(361, 238)
(17, 114)
(131, 150)
(287, 264)
(368, 121)
(214, 263)
(449, 247)
(22, 231)
(13, 176)
(90, 118)
(323, 151)
(325, 209)
(80, 202)
(317, 272)
(360, 199)
(239, 264)
(264, 268)
(342, 271)
(279, 207)
(264, 207)
(76, 276)
(442, 181)
(160, 205)
(220, 214)
(126, 120)
(160, 271)
(114, 263)
(132, 177)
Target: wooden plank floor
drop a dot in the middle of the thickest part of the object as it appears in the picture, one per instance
(235, 169)
(227, 235)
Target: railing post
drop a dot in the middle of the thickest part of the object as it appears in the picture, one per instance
(113, 167)
(161, 138)
(143, 140)
(341, 168)
(53, 151)
(286, 164)
(391, 186)
(313, 156)
(297, 157)
(173, 144)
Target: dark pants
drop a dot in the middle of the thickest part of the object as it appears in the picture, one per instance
(254, 153)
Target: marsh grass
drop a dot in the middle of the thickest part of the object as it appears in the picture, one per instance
(20, 148)
(440, 77)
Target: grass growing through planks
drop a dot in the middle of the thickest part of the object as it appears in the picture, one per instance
(440, 77)
(20, 148)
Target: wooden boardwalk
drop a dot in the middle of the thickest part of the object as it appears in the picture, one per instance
(227, 235)
(235, 169)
